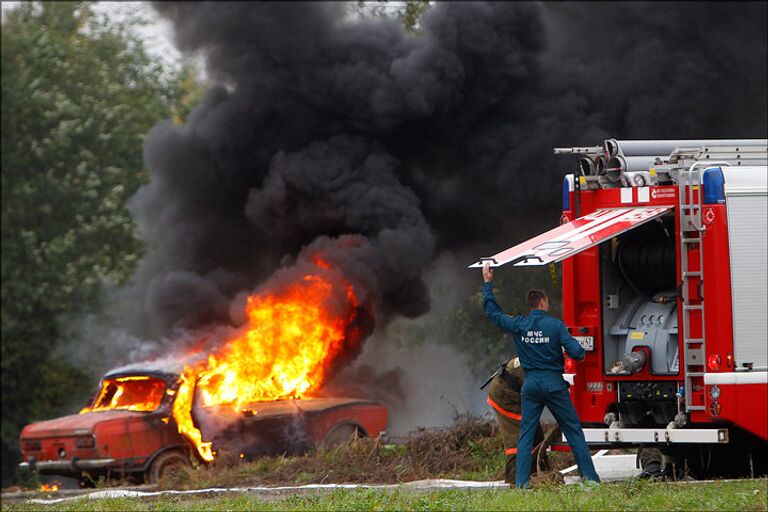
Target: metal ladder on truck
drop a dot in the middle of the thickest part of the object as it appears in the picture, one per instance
(690, 199)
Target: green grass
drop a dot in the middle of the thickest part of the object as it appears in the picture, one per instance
(748, 495)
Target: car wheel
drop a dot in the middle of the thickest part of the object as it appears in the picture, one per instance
(166, 464)
(341, 434)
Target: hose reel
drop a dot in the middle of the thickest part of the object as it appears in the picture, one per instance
(646, 260)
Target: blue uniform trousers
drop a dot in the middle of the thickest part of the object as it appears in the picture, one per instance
(548, 388)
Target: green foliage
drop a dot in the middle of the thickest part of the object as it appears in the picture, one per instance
(409, 12)
(79, 93)
(373, 8)
(188, 93)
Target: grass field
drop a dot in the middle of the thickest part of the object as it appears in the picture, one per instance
(747, 495)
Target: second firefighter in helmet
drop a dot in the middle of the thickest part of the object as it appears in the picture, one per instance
(504, 398)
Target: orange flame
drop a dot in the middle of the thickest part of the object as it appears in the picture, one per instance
(182, 413)
(51, 487)
(137, 393)
(286, 351)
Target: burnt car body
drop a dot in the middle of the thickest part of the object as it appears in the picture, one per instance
(144, 441)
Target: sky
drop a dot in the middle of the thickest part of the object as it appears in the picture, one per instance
(158, 33)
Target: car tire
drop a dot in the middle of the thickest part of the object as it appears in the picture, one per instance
(166, 464)
(341, 434)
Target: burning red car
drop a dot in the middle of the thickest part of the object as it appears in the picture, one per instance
(129, 428)
(246, 395)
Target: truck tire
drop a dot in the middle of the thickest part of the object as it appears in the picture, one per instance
(340, 434)
(166, 464)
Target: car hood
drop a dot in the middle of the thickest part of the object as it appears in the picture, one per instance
(76, 424)
(284, 407)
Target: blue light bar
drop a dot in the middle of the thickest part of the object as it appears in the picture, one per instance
(713, 182)
(567, 187)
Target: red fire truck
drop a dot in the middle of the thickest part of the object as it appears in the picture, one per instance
(665, 284)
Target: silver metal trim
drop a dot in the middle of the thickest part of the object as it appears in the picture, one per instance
(724, 378)
(64, 465)
(652, 435)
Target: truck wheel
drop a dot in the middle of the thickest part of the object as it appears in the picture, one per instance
(340, 434)
(166, 464)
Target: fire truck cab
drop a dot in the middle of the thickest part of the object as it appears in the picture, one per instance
(665, 284)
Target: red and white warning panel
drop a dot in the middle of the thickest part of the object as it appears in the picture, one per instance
(575, 236)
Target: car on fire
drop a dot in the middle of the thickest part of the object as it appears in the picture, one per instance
(128, 429)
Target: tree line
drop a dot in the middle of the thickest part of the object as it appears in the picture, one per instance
(79, 93)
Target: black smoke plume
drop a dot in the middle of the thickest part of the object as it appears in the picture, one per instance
(380, 147)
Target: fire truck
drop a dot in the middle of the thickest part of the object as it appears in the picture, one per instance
(665, 284)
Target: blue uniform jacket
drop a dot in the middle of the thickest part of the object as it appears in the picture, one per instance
(539, 337)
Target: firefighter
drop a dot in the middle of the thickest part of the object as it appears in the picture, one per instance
(504, 399)
(540, 340)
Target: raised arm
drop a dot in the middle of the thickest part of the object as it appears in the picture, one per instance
(572, 347)
(494, 312)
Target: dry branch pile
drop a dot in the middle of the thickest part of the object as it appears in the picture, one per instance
(469, 449)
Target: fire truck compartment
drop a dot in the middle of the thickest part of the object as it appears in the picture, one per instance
(745, 190)
(647, 402)
(639, 307)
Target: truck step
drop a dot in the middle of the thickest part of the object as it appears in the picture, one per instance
(695, 307)
(692, 274)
